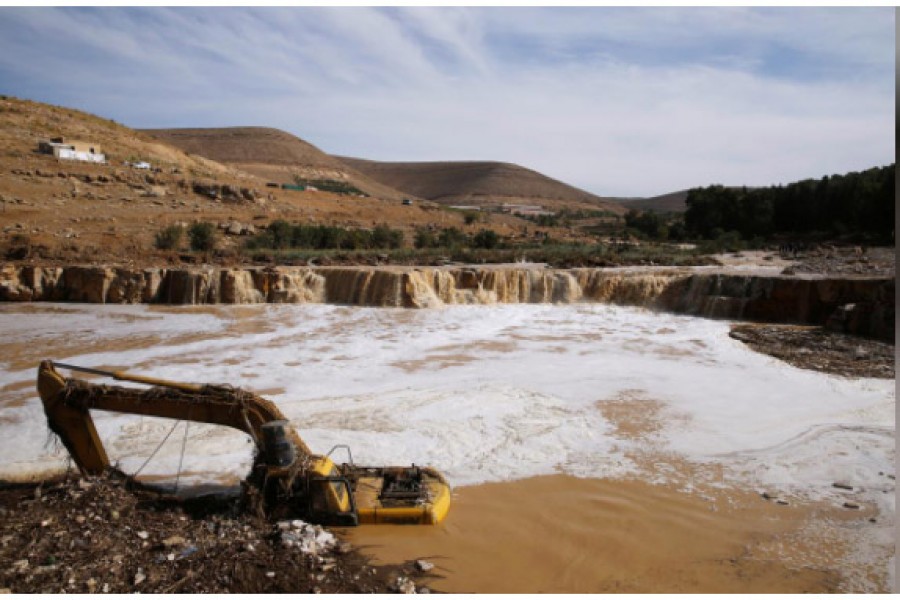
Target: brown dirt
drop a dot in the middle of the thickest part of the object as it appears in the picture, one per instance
(63, 212)
(560, 534)
(270, 154)
(819, 349)
(843, 260)
(480, 183)
(87, 536)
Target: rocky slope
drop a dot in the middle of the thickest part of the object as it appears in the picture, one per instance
(71, 211)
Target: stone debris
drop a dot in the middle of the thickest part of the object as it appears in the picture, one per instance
(851, 505)
(424, 565)
(307, 538)
(404, 585)
(163, 545)
(842, 485)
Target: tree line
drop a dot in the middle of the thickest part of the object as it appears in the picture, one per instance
(858, 205)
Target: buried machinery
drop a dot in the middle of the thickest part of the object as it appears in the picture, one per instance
(286, 474)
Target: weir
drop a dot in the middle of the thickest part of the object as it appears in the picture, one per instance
(865, 305)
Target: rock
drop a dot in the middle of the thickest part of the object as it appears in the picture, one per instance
(852, 505)
(842, 485)
(424, 565)
(769, 496)
(170, 542)
(781, 502)
(234, 228)
(404, 585)
(20, 566)
(139, 577)
(270, 574)
(343, 548)
(143, 535)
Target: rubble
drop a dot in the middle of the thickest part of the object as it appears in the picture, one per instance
(56, 537)
(819, 349)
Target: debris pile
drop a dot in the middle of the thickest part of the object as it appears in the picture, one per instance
(819, 349)
(99, 536)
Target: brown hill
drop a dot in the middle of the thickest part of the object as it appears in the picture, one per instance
(271, 154)
(480, 183)
(71, 211)
(665, 203)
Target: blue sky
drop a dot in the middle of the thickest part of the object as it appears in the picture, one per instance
(633, 102)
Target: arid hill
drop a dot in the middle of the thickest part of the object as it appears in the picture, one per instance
(66, 211)
(673, 202)
(271, 154)
(480, 183)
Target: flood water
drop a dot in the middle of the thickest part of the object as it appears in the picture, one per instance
(503, 398)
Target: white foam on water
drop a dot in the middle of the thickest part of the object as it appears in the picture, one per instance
(483, 393)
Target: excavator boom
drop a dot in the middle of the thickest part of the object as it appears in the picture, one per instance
(285, 469)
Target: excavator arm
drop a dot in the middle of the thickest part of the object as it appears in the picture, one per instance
(67, 403)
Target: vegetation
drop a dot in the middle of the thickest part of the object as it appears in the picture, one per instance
(329, 185)
(282, 235)
(452, 238)
(855, 205)
(169, 238)
(202, 236)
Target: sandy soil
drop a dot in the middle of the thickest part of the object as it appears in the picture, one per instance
(560, 534)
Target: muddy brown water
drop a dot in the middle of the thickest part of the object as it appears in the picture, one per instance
(562, 534)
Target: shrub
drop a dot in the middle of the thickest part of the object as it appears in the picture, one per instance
(425, 239)
(451, 238)
(486, 238)
(203, 236)
(169, 238)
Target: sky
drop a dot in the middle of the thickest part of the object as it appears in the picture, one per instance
(619, 102)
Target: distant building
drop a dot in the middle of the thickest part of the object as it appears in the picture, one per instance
(72, 150)
(525, 210)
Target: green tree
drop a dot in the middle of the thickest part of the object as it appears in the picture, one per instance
(202, 236)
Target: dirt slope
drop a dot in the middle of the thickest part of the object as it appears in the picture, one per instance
(271, 154)
(665, 203)
(69, 211)
(480, 183)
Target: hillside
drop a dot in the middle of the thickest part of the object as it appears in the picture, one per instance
(270, 154)
(68, 211)
(673, 202)
(480, 183)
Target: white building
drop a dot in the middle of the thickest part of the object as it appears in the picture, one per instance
(73, 150)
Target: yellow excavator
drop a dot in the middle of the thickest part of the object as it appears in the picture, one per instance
(286, 475)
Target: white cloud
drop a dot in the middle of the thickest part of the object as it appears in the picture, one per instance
(619, 102)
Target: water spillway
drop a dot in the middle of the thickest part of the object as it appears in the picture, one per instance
(698, 292)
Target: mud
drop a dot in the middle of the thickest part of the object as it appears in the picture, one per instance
(560, 534)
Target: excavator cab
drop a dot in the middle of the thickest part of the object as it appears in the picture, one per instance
(286, 472)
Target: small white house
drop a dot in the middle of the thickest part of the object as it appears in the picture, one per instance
(73, 150)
